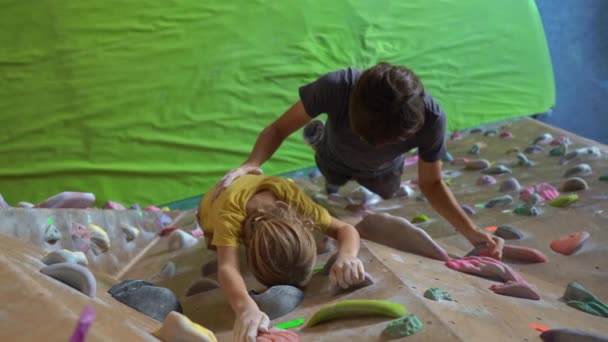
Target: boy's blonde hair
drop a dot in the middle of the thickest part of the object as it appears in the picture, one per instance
(280, 246)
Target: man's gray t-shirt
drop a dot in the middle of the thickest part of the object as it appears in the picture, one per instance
(343, 151)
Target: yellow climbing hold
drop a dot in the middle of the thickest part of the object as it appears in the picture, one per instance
(165, 209)
(99, 237)
(178, 328)
(355, 308)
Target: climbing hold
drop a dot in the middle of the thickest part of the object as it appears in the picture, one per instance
(485, 180)
(569, 244)
(533, 199)
(81, 238)
(151, 300)
(151, 208)
(3, 204)
(364, 196)
(181, 240)
(545, 191)
(477, 164)
(459, 161)
(356, 308)
(201, 285)
(475, 149)
(558, 151)
(512, 252)
(499, 201)
(130, 232)
(578, 170)
(404, 191)
(329, 264)
(571, 335)
(68, 199)
(52, 234)
(209, 268)
(581, 153)
(369, 280)
(574, 184)
(314, 174)
(490, 133)
(167, 271)
(522, 160)
(111, 205)
(456, 135)
(278, 300)
(419, 218)
(512, 150)
(526, 210)
(533, 149)
(508, 232)
(510, 185)
(469, 210)
(73, 275)
(437, 294)
(496, 170)
(582, 299)
(63, 255)
(135, 206)
(165, 209)
(475, 130)
(564, 201)
(178, 328)
(168, 230)
(561, 141)
(543, 139)
(277, 335)
(447, 157)
(402, 327)
(506, 134)
(26, 205)
(421, 198)
(603, 178)
(99, 238)
(84, 323)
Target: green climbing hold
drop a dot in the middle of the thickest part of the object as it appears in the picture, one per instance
(420, 218)
(580, 298)
(564, 201)
(435, 293)
(421, 198)
(559, 151)
(291, 324)
(402, 327)
(604, 178)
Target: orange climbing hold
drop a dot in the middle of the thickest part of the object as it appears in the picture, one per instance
(570, 244)
(491, 229)
(538, 327)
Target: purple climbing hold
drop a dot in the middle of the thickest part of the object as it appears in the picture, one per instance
(84, 323)
(68, 199)
(508, 232)
(485, 180)
(469, 210)
(534, 149)
(510, 185)
(3, 204)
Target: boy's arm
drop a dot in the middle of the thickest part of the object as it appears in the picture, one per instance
(348, 269)
(443, 201)
(249, 318)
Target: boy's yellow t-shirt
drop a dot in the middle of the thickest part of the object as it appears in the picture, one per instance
(224, 217)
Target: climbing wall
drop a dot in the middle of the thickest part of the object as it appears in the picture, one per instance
(476, 313)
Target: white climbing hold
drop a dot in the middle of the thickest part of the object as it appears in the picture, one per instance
(404, 191)
(578, 170)
(64, 255)
(181, 240)
(25, 205)
(99, 238)
(130, 232)
(365, 196)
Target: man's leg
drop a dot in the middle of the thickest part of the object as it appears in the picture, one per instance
(333, 180)
(385, 186)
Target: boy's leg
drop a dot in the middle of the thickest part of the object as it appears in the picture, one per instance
(386, 185)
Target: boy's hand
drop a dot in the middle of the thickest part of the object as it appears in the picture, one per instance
(248, 323)
(346, 272)
(479, 237)
(232, 176)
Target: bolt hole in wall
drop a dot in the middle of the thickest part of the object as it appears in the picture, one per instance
(577, 35)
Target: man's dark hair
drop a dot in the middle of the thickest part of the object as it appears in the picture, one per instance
(387, 104)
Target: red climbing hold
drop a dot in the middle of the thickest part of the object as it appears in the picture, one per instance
(569, 244)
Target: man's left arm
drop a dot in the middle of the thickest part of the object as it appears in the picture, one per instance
(443, 201)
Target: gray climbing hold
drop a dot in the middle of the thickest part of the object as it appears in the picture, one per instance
(543, 139)
(485, 180)
(151, 300)
(25, 205)
(3, 204)
(167, 271)
(522, 160)
(328, 264)
(201, 285)
(65, 256)
(73, 275)
(209, 268)
(571, 335)
(490, 133)
(510, 185)
(476, 130)
(314, 174)
(130, 232)
(578, 170)
(52, 234)
(533, 149)
(478, 164)
(574, 184)
(404, 191)
(369, 280)
(496, 170)
(508, 232)
(178, 239)
(469, 210)
(278, 300)
(135, 206)
(558, 151)
(447, 157)
(475, 149)
(364, 196)
(499, 201)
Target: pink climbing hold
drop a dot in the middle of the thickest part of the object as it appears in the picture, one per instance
(410, 161)
(81, 237)
(561, 141)
(152, 208)
(84, 323)
(545, 190)
(514, 284)
(514, 252)
(68, 199)
(197, 232)
(567, 245)
(506, 134)
(111, 205)
(456, 135)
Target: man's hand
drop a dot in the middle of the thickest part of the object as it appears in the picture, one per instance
(479, 237)
(232, 176)
(248, 323)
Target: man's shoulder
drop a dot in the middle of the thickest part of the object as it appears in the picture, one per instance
(432, 107)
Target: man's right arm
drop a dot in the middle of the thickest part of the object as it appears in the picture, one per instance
(273, 135)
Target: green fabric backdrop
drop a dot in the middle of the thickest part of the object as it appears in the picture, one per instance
(152, 101)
